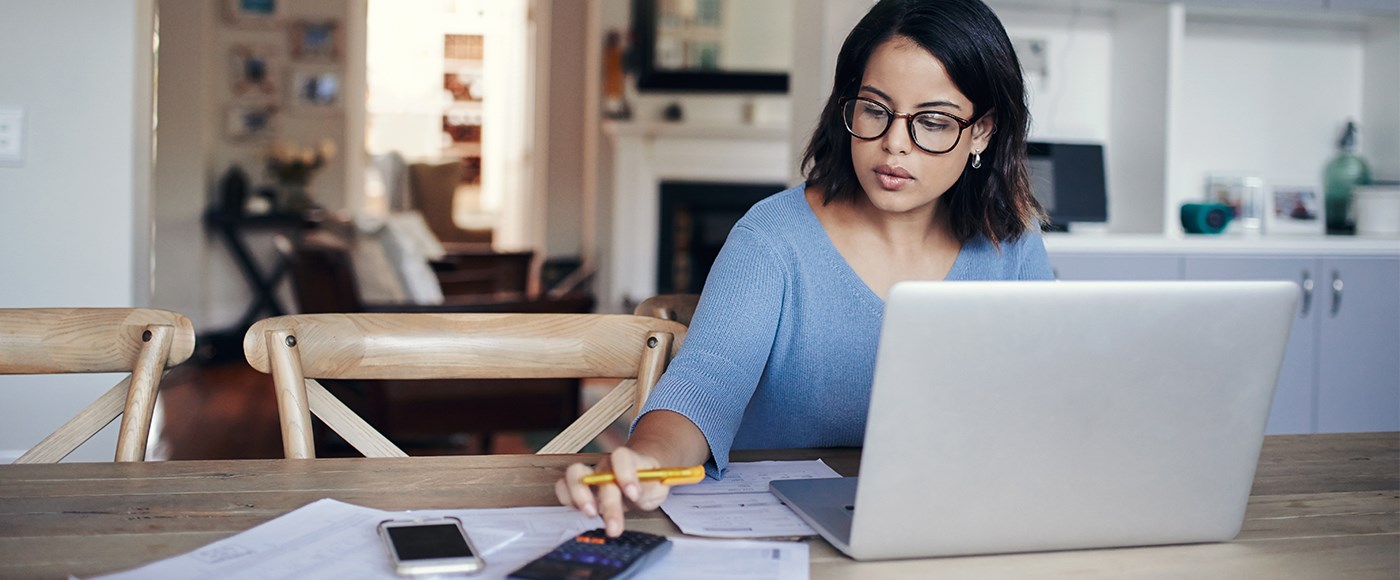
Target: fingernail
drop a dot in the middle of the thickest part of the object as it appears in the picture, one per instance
(632, 491)
(590, 510)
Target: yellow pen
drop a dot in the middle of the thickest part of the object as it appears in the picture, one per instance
(666, 475)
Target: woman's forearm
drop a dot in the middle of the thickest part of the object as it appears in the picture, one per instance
(671, 438)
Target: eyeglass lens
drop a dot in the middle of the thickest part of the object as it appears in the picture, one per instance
(932, 131)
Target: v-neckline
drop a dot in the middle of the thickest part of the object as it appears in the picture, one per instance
(835, 255)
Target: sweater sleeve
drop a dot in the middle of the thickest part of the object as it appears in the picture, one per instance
(726, 348)
(1034, 262)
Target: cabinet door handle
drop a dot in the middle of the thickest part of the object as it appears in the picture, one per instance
(1336, 292)
(1307, 293)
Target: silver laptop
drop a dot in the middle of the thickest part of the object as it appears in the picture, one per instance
(1030, 416)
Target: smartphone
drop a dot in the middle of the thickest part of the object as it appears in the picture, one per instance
(433, 546)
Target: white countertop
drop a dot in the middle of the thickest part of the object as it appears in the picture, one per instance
(1105, 243)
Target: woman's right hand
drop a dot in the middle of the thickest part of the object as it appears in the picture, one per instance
(612, 500)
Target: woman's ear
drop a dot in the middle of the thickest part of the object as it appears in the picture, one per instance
(982, 130)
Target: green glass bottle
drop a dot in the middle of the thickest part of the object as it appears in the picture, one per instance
(1346, 171)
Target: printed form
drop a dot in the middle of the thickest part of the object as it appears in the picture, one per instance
(332, 539)
(741, 506)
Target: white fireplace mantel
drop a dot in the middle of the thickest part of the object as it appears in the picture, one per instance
(644, 155)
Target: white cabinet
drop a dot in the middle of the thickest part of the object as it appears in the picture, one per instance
(1341, 367)
(1115, 267)
(1294, 409)
(1358, 364)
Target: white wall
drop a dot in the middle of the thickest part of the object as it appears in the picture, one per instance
(69, 215)
(1273, 108)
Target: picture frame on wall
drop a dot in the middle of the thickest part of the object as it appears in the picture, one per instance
(316, 40)
(250, 122)
(1294, 210)
(315, 89)
(254, 70)
(253, 12)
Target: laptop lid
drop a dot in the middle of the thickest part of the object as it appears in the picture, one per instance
(1027, 416)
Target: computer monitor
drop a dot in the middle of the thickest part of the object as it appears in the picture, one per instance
(1069, 182)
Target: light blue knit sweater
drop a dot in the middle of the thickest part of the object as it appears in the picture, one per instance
(781, 350)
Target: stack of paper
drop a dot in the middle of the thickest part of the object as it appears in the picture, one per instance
(331, 539)
(741, 506)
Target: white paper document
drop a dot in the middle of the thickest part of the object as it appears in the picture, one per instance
(741, 506)
(331, 539)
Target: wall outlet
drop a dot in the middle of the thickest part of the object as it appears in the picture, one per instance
(11, 136)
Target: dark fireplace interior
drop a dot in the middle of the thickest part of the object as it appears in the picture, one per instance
(695, 220)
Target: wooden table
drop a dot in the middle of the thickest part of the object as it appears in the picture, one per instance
(1323, 506)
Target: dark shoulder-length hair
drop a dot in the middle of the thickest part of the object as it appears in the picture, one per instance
(994, 201)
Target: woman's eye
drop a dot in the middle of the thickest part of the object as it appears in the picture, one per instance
(872, 111)
(933, 124)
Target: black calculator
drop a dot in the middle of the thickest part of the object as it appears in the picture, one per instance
(592, 555)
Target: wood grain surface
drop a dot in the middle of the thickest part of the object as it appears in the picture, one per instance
(1323, 506)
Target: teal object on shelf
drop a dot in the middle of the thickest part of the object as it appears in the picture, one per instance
(1206, 218)
(1346, 171)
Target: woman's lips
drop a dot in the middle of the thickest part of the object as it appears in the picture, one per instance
(893, 178)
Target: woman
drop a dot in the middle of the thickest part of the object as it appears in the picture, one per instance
(916, 171)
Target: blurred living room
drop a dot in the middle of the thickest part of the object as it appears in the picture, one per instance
(233, 160)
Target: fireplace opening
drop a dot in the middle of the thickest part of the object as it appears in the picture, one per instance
(695, 220)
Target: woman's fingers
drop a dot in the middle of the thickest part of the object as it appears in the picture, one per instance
(611, 508)
(573, 492)
(624, 468)
(652, 495)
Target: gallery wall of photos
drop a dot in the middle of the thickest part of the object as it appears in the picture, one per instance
(283, 65)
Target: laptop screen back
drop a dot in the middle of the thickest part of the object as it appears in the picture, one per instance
(1030, 416)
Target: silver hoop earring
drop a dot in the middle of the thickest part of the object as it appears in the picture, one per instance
(976, 159)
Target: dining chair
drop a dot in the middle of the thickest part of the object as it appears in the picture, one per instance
(677, 307)
(140, 341)
(297, 350)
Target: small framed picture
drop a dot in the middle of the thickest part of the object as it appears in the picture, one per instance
(316, 40)
(1294, 210)
(252, 12)
(250, 122)
(1244, 195)
(315, 89)
(253, 71)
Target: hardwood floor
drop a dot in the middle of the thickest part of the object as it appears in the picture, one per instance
(227, 410)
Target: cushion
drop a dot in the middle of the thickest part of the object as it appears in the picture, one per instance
(412, 226)
(403, 249)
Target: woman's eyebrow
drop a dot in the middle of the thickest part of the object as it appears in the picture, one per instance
(923, 105)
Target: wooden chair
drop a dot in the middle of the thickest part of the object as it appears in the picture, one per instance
(677, 307)
(141, 341)
(298, 349)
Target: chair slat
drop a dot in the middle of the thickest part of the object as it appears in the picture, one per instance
(347, 424)
(80, 428)
(594, 420)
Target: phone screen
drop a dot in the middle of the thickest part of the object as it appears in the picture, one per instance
(429, 542)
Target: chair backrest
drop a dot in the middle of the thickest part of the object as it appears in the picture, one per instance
(140, 341)
(677, 307)
(298, 349)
